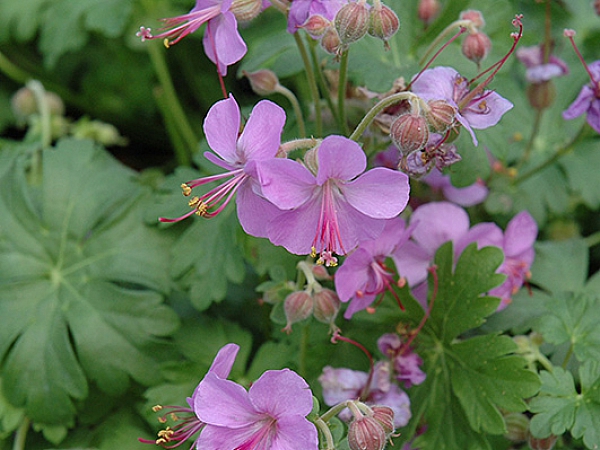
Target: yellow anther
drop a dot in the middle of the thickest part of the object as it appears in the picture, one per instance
(482, 105)
(186, 190)
(166, 43)
(166, 434)
(194, 201)
(157, 408)
(202, 209)
(313, 253)
(174, 417)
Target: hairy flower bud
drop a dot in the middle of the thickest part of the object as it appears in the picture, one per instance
(474, 16)
(385, 416)
(428, 10)
(409, 132)
(297, 306)
(246, 10)
(326, 305)
(366, 433)
(383, 23)
(316, 25)
(476, 46)
(542, 443)
(330, 42)
(352, 22)
(440, 115)
(263, 82)
(541, 95)
(517, 427)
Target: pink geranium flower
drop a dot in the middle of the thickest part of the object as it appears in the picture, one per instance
(270, 416)
(332, 210)
(588, 100)
(480, 111)
(222, 42)
(238, 154)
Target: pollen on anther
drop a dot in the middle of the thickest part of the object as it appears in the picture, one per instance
(157, 408)
(186, 189)
(166, 43)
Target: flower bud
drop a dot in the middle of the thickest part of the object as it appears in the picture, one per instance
(541, 95)
(596, 5)
(409, 132)
(383, 23)
(428, 10)
(246, 10)
(326, 305)
(385, 416)
(517, 427)
(476, 46)
(542, 443)
(24, 103)
(316, 25)
(330, 42)
(320, 272)
(366, 433)
(297, 307)
(474, 16)
(352, 22)
(440, 115)
(263, 82)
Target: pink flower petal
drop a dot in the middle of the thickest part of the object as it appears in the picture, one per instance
(262, 133)
(437, 223)
(222, 43)
(281, 393)
(521, 232)
(221, 127)
(339, 158)
(285, 183)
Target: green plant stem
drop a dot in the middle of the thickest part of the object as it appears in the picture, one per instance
(325, 92)
(312, 83)
(443, 35)
(342, 83)
(321, 425)
(303, 352)
(534, 132)
(179, 146)
(567, 357)
(562, 151)
(21, 434)
(44, 111)
(172, 104)
(380, 106)
(12, 71)
(593, 239)
(296, 107)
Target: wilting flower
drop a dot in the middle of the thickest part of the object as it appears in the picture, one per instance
(479, 111)
(332, 210)
(238, 154)
(364, 274)
(537, 70)
(343, 384)
(270, 415)
(222, 43)
(588, 100)
(302, 10)
(406, 363)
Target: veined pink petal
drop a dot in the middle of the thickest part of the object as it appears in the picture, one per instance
(353, 275)
(436, 83)
(485, 234)
(379, 193)
(222, 42)
(295, 229)
(293, 433)
(339, 158)
(281, 393)
(486, 112)
(285, 183)
(223, 438)
(224, 360)
(254, 212)
(223, 403)
(262, 133)
(521, 232)
(221, 127)
(581, 103)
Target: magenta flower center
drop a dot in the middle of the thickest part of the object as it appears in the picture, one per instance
(263, 438)
(328, 239)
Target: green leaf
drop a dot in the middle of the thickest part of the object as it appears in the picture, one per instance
(560, 266)
(81, 282)
(208, 253)
(573, 318)
(468, 381)
(580, 168)
(560, 408)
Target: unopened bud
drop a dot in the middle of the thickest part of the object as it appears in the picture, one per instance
(542, 443)
(330, 42)
(596, 6)
(326, 305)
(517, 427)
(320, 272)
(385, 416)
(474, 16)
(440, 115)
(366, 433)
(24, 103)
(263, 82)
(476, 46)
(541, 95)
(428, 10)
(246, 10)
(297, 306)
(383, 23)
(409, 132)
(352, 21)
(316, 25)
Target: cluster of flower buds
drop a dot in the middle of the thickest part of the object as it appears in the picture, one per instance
(371, 427)
(323, 305)
(476, 44)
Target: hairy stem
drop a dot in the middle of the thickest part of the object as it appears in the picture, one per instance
(342, 83)
(312, 83)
